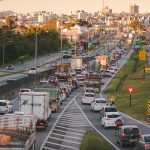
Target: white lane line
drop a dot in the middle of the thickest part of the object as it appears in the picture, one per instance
(97, 129)
(58, 120)
(45, 147)
(63, 140)
(74, 125)
(71, 129)
(81, 134)
(135, 120)
(62, 145)
(73, 122)
(73, 137)
(75, 119)
(73, 116)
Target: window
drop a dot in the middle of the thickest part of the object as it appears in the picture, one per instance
(89, 95)
(131, 131)
(2, 104)
(147, 139)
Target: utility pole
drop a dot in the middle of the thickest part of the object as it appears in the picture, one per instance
(61, 44)
(36, 41)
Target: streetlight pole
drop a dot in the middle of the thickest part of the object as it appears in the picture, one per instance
(3, 53)
(61, 43)
(36, 40)
(76, 44)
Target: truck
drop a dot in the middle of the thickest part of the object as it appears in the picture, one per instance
(54, 96)
(63, 71)
(17, 132)
(37, 104)
(93, 81)
(76, 63)
(103, 61)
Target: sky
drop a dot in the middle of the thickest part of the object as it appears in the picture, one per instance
(65, 6)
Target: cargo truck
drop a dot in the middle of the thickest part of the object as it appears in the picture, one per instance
(36, 103)
(17, 132)
(76, 63)
(54, 95)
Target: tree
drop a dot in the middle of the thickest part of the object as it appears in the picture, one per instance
(10, 23)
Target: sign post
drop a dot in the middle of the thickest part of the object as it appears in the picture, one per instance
(148, 108)
(130, 90)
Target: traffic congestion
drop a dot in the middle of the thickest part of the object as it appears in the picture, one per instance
(75, 87)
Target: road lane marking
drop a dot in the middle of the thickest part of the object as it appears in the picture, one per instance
(66, 136)
(63, 140)
(62, 145)
(71, 129)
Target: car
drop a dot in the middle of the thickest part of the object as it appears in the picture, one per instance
(43, 83)
(115, 67)
(111, 70)
(107, 109)
(89, 90)
(88, 98)
(10, 67)
(144, 142)
(98, 104)
(72, 73)
(128, 134)
(109, 119)
(6, 106)
(52, 79)
(80, 81)
(106, 74)
(66, 55)
(33, 71)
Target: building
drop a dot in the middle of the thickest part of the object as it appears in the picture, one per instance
(106, 11)
(134, 9)
(82, 15)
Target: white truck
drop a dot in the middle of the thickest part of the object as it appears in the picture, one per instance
(37, 104)
(76, 63)
(17, 132)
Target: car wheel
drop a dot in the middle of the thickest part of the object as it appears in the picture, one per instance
(82, 103)
(105, 126)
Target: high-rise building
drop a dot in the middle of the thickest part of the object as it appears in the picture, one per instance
(134, 9)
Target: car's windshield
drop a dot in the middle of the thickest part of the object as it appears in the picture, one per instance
(89, 95)
(147, 139)
(2, 104)
(113, 116)
(110, 110)
(131, 131)
(90, 90)
(100, 101)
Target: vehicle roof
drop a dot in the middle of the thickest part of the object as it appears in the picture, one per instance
(110, 107)
(129, 126)
(88, 93)
(101, 99)
(112, 113)
(44, 81)
(4, 100)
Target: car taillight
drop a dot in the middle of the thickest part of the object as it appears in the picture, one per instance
(107, 118)
(123, 136)
(146, 145)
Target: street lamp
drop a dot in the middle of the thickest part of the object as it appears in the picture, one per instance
(36, 40)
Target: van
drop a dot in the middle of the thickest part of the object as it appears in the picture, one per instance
(6, 106)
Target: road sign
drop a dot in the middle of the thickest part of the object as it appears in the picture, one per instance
(130, 90)
(148, 108)
(142, 55)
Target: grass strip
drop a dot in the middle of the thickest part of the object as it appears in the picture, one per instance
(139, 82)
(93, 141)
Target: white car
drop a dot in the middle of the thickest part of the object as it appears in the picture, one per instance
(111, 70)
(98, 104)
(88, 98)
(33, 71)
(89, 90)
(109, 118)
(6, 106)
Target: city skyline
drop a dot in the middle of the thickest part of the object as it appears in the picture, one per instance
(66, 6)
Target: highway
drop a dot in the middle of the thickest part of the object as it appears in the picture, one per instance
(74, 119)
